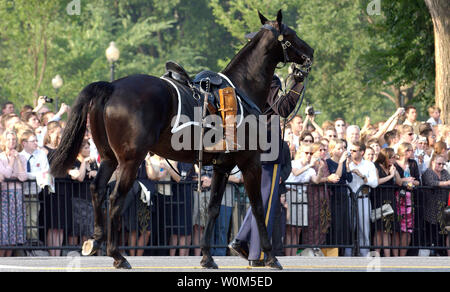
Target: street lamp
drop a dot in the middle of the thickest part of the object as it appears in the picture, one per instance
(112, 54)
(57, 82)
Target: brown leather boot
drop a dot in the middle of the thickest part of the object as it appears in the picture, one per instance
(228, 111)
(229, 141)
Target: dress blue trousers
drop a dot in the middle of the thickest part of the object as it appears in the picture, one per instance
(270, 179)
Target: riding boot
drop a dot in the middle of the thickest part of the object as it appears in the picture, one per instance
(228, 110)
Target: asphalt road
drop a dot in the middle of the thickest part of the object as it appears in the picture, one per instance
(75, 263)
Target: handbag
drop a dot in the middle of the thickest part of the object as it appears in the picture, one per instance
(383, 211)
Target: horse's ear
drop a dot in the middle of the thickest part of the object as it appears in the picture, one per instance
(279, 18)
(262, 18)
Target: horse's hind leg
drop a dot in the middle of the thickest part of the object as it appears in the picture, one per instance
(98, 191)
(126, 174)
(218, 184)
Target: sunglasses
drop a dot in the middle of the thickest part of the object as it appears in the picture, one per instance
(440, 163)
(308, 153)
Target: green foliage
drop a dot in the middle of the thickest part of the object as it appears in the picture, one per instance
(39, 39)
(403, 41)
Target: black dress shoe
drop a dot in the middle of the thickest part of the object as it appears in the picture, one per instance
(274, 264)
(239, 247)
(256, 263)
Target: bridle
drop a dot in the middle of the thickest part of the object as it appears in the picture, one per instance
(304, 68)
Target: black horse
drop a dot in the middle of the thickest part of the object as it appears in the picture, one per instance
(132, 116)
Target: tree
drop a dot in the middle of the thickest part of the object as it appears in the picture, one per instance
(400, 59)
(39, 39)
(42, 40)
(440, 14)
(27, 33)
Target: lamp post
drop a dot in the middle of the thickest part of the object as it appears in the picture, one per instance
(112, 54)
(57, 82)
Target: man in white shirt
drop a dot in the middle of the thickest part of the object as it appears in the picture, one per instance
(37, 164)
(297, 129)
(364, 173)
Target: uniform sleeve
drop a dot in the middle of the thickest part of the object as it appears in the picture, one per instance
(284, 105)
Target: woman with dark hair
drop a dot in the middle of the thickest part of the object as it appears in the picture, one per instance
(387, 176)
(306, 137)
(84, 170)
(57, 206)
(339, 233)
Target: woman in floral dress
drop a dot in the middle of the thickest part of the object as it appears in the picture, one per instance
(12, 166)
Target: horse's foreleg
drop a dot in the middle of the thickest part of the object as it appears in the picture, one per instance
(218, 184)
(98, 191)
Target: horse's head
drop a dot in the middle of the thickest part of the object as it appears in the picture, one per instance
(289, 46)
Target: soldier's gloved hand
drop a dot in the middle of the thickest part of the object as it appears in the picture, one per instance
(298, 75)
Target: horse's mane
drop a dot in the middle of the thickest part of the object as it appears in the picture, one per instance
(242, 54)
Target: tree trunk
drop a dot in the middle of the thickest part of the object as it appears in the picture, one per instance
(440, 14)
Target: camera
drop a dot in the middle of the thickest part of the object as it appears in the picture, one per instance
(48, 99)
(309, 111)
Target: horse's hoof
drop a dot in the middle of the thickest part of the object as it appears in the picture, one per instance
(274, 264)
(122, 264)
(209, 264)
(90, 247)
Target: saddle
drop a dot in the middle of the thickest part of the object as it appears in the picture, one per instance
(221, 98)
(177, 72)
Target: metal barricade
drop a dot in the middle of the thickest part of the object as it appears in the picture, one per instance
(386, 219)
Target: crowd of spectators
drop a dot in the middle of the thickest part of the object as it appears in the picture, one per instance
(400, 151)
(383, 164)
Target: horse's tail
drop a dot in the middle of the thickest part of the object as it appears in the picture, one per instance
(65, 155)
